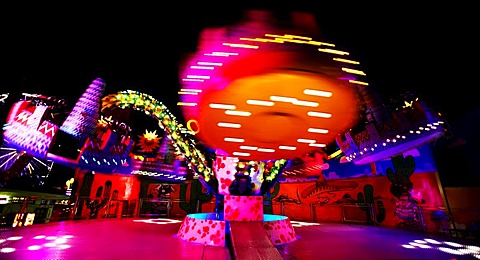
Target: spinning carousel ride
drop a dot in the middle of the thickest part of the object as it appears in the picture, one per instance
(256, 91)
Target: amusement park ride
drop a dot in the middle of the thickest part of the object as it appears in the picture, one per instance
(257, 93)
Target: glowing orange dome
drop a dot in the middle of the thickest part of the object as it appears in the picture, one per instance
(268, 96)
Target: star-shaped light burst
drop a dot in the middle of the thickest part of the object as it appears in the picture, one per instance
(149, 141)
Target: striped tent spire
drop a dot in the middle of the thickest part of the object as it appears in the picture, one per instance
(82, 121)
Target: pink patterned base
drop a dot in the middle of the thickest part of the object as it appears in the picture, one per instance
(279, 229)
(203, 228)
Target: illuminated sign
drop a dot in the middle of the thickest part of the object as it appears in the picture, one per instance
(23, 219)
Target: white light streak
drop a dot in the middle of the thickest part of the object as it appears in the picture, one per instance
(319, 114)
(237, 113)
(319, 93)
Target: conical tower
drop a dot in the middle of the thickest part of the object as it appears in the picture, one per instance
(83, 119)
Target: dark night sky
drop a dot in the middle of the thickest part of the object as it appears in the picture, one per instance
(406, 47)
(59, 50)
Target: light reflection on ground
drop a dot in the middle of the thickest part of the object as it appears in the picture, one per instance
(445, 246)
(48, 242)
(159, 221)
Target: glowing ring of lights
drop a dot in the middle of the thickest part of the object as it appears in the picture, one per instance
(238, 71)
(156, 109)
(189, 126)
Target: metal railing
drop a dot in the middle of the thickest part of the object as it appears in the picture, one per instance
(155, 207)
(367, 208)
(87, 208)
(346, 212)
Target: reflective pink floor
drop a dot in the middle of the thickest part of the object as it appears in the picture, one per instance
(141, 239)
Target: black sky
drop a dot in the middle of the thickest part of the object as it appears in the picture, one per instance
(58, 50)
